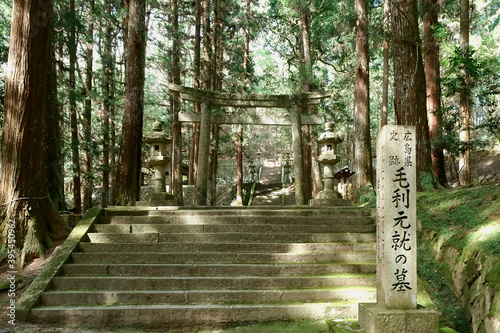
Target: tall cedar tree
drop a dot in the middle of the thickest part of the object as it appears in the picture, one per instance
(306, 77)
(362, 159)
(432, 80)
(385, 79)
(129, 167)
(75, 142)
(54, 155)
(239, 147)
(195, 141)
(465, 96)
(176, 103)
(107, 65)
(24, 199)
(87, 115)
(218, 45)
(409, 83)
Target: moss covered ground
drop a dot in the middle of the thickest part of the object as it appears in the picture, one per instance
(466, 219)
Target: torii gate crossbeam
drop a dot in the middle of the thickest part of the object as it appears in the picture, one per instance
(209, 99)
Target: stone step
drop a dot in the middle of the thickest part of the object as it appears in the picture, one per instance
(278, 211)
(231, 228)
(69, 298)
(211, 283)
(186, 317)
(227, 247)
(233, 237)
(238, 220)
(219, 257)
(236, 270)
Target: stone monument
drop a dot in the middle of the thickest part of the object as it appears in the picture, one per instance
(328, 157)
(159, 160)
(396, 309)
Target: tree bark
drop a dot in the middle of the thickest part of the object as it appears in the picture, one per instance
(306, 74)
(87, 116)
(193, 156)
(54, 156)
(129, 168)
(433, 90)
(409, 83)
(362, 159)
(75, 142)
(214, 157)
(176, 128)
(465, 97)
(207, 47)
(24, 199)
(107, 64)
(316, 171)
(239, 146)
(298, 165)
(385, 80)
(239, 166)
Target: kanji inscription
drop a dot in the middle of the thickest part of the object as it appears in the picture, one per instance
(396, 218)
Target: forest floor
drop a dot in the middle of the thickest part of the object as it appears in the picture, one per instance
(486, 170)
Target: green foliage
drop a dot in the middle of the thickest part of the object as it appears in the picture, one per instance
(468, 219)
(367, 195)
(426, 181)
(5, 13)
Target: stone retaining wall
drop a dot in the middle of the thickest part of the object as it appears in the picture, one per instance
(476, 282)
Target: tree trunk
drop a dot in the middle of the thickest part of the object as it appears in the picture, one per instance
(24, 200)
(112, 122)
(193, 157)
(239, 167)
(433, 92)
(207, 47)
(75, 144)
(54, 156)
(316, 171)
(107, 60)
(129, 168)
(362, 159)
(176, 128)
(214, 156)
(87, 116)
(239, 145)
(385, 80)
(306, 74)
(465, 99)
(409, 84)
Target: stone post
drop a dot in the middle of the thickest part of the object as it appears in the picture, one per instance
(298, 163)
(396, 308)
(203, 157)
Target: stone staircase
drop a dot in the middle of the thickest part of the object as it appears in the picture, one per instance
(177, 269)
(269, 190)
(267, 195)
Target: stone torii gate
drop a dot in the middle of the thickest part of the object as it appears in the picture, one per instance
(209, 99)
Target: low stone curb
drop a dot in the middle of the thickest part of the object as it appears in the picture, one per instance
(31, 296)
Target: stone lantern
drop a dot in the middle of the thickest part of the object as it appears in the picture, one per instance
(286, 167)
(159, 160)
(253, 171)
(328, 157)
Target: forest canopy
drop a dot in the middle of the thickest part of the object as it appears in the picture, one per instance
(108, 65)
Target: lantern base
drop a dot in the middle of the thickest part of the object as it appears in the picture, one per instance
(329, 198)
(159, 199)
